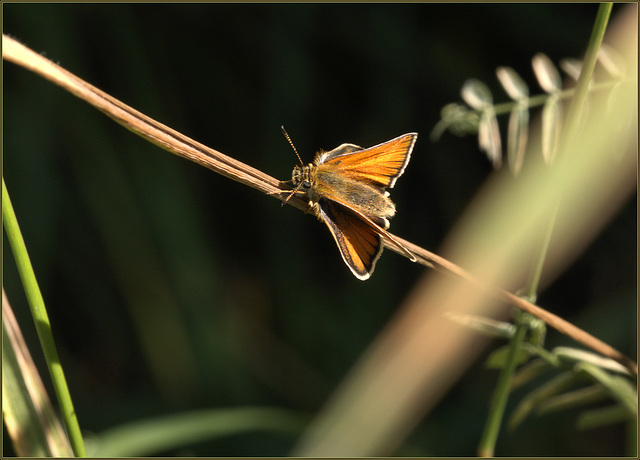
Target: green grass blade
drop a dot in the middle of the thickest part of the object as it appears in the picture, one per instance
(29, 417)
(487, 445)
(148, 437)
(39, 313)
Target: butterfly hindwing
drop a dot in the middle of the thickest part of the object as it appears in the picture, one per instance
(357, 236)
(359, 241)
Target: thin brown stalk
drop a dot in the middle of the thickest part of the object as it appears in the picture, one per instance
(444, 266)
(148, 128)
(183, 146)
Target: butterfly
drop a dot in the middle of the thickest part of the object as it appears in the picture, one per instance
(346, 189)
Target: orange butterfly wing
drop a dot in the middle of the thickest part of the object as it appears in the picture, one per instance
(379, 165)
(359, 241)
(357, 236)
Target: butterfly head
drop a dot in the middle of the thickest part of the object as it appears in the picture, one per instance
(303, 180)
(301, 176)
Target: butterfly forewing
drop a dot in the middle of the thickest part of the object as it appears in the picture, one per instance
(379, 165)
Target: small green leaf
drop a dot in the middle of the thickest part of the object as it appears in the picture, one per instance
(549, 357)
(537, 331)
(574, 355)
(572, 67)
(546, 73)
(489, 137)
(611, 60)
(602, 417)
(528, 372)
(619, 388)
(572, 399)
(458, 119)
(512, 83)
(498, 358)
(551, 116)
(476, 94)
(517, 136)
(534, 399)
(486, 326)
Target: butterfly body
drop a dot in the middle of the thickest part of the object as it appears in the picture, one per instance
(326, 182)
(346, 189)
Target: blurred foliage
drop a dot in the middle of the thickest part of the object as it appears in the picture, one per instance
(172, 289)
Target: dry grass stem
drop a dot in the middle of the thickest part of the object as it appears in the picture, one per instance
(183, 146)
(444, 266)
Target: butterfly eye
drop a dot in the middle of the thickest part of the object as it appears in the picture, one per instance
(306, 184)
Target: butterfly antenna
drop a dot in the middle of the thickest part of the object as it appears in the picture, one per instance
(284, 131)
(294, 191)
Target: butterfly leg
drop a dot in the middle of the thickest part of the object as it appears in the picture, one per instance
(314, 208)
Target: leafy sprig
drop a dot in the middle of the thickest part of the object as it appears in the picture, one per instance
(479, 115)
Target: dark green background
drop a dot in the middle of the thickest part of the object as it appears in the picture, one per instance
(135, 246)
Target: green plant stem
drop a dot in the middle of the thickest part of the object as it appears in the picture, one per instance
(496, 412)
(531, 288)
(575, 107)
(588, 65)
(632, 437)
(501, 394)
(43, 327)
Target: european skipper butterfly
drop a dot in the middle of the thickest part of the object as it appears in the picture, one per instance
(346, 190)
